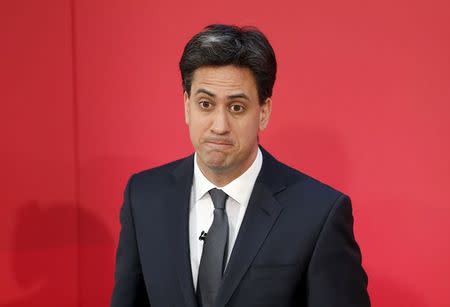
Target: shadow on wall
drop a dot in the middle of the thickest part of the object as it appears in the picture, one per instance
(390, 293)
(45, 256)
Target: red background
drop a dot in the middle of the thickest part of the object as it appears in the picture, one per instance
(90, 93)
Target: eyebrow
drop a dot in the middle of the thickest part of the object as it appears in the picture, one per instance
(204, 91)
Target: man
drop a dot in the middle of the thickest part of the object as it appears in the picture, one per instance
(230, 225)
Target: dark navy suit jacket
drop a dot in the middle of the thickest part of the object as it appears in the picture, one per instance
(295, 246)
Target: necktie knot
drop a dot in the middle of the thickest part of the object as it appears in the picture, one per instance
(218, 197)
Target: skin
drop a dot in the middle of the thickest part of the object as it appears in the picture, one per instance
(224, 116)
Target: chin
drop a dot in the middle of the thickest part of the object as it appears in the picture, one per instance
(215, 161)
(216, 164)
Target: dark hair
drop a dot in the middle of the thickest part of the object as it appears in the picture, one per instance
(219, 45)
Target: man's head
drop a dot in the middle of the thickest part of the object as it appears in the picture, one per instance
(228, 75)
(220, 45)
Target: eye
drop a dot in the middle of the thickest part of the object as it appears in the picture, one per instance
(237, 108)
(205, 104)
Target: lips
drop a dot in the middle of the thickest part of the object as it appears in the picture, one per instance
(218, 143)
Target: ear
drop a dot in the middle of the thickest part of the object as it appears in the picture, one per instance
(264, 114)
(186, 108)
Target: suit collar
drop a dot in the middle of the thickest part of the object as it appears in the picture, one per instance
(184, 169)
(272, 176)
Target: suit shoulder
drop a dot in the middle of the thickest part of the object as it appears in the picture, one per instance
(159, 173)
(306, 195)
(308, 184)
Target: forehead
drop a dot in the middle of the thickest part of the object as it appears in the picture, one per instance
(228, 77)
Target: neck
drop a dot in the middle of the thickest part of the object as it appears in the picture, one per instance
(222, 177)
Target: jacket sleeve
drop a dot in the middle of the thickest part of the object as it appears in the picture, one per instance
(129, 289)
(335, 276)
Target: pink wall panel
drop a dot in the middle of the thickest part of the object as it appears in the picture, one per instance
(38, 232)
(361, 102)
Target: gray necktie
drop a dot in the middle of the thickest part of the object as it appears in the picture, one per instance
(214, 253)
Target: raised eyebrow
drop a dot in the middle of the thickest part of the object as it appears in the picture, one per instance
(202, 90)
(241, 95)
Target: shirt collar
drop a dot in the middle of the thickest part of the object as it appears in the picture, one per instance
(239, 189)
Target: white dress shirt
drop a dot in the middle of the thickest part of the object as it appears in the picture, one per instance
(201, 208)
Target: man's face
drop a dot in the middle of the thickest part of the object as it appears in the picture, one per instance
(224, 117)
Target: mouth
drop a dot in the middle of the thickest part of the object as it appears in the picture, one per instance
(219, 143)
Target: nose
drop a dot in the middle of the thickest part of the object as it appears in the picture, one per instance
(220, 124)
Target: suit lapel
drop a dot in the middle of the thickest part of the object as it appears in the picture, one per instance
(262, 212)
(178, 220)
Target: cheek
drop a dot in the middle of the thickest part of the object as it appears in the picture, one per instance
(248, 130)
(197, 128)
